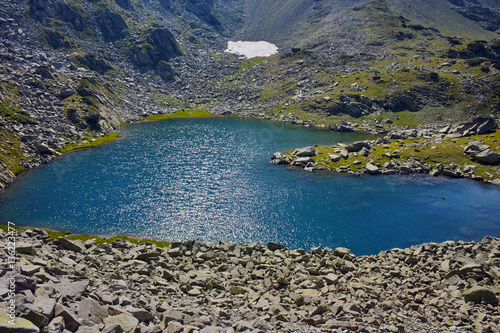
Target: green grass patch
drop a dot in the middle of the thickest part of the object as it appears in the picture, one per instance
(12, 114)
(99, 240)
(446, 151)
(180, 114)
(11, 153)
(88, 142)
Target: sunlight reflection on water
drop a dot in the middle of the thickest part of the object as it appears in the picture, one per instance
(211, 179)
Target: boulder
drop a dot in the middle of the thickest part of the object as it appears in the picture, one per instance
(22, 325)
(91, 311)
(481, 124)
(127, 322)
(487, 157)
(305, 152)
(480, 294)
(334, 157)
(356, 146)
(34, 315)
(372, 168)
(279, 158)
(76, 246)
(274, 246)
(72, 323)
(341, 127)
(71, 289)
(302, 161)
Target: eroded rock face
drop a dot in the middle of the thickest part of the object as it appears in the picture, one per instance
(112, 25)
(226, 287)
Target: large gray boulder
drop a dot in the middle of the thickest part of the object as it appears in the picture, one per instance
(372, 168)
(478, 125)
(305, 152)
(75, 246)
(356, 146)
(22, 325)
(302, 161)
(487, 157)
(478, 294)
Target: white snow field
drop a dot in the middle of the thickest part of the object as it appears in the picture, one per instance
(252, 49)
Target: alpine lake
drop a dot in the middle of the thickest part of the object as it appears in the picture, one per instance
(211, 179)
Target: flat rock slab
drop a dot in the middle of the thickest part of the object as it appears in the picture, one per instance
(21, 325)
(72, 289)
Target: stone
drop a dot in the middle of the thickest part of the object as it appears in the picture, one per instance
(127, 322)
(174, 253)
(356, 146)
(274, 246)
(21, 325)
(71, 289)
(305, 152)
(24, 248)
(140, 314)
(344, 154)
(480, 294)
(34, 315)
(334, 157)
(112, 328)
(343, 252)
(302, 161)
(331, 278)
(29, 269)
(70, 319)
(487, 157)
(175, 327)
(364, 152)
(372, 168)
(172, 315)
(76, 246)
(91, 311)
(46, 305)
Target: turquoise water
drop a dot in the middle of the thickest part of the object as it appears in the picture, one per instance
(211, 179)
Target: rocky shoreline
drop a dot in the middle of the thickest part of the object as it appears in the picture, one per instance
(63, 285)
(409, 151)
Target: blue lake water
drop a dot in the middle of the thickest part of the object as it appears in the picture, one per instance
(210, 179)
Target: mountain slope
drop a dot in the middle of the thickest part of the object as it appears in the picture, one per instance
(76, 69)
(442, 15)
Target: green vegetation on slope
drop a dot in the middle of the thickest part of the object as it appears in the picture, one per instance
(446, 152)
(88, 142)
(98, 240)
(180, 114)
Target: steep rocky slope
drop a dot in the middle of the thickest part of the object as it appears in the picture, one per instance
(77, 69)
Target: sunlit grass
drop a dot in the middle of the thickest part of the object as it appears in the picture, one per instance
(180, 114)
(88, 142)
(99, 240)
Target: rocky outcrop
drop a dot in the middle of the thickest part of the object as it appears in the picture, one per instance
(482, 153)
(203, 10)
(478, 125)
(159, 47)
(225, 287)
(46, 10)
(112, 25)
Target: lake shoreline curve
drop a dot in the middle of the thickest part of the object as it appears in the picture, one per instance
(450, 151)
(85, 286)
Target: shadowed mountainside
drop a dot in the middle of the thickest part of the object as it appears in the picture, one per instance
(72, 70)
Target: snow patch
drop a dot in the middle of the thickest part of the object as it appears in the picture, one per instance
(252, 49)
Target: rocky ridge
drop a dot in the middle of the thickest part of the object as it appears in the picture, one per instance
(66, 285)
